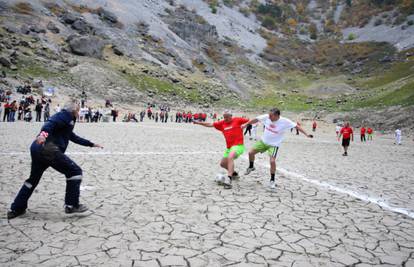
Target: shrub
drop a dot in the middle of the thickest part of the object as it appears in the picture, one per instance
(269, 22)
(292, 22)
(351, 36)
(213, 9)
(270, 9)
(245, 11)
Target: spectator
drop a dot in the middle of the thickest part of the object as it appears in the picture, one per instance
(38, 110)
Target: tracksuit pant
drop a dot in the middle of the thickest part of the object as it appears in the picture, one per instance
(43, 157)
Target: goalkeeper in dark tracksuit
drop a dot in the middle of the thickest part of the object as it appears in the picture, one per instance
(48, 150)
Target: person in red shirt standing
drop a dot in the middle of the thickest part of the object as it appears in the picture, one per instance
(314, 126)
(363, 130)
(196, 116)
(347, 135)
(203, 116)
(370, 131)
(233, 133)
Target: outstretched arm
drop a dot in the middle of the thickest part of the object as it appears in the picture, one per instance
(205, 124)
(252, 121)
(81, 141)
(303, 131)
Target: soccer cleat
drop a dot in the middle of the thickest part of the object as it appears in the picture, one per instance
(227, 183)
(14, 213)
(72, 209)
(220, 179)
(235, 176)
(249, 170)
(272, 185)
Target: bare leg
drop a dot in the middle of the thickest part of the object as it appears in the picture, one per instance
(272, 166)
(230, 164)
(252, 154)
(223, 163)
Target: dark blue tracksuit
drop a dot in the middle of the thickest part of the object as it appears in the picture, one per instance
(51, 154)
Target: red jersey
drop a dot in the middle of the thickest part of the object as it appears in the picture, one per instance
(369, 131)
(195, 116)
(314, 124)
(363, 130)
(232, 131)
(204, 116)
(346, 132)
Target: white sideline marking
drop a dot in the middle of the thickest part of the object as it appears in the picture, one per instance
(375, 200)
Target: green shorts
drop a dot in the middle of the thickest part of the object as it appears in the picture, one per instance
(239, 150)
(261, 147)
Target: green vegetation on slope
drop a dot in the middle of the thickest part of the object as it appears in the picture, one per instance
(151, 84)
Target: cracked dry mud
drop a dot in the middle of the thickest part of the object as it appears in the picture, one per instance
(159, 206)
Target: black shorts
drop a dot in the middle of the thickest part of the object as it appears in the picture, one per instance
(345, 142)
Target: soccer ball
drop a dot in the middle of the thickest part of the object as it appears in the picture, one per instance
(220, 178)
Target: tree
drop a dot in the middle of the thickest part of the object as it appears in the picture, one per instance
(269, 22)
(292, 22)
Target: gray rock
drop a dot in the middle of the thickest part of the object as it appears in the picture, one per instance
(117, 51)
(161, 57)
(143, 28)
(24, 43)
(52, 27)
(5, 62)
(208, 70)
(13, 67)
(25, 29)
(90, 46)
(107, 15)
(11, 28)
(69, 18)
(37, 29)
(81, 26)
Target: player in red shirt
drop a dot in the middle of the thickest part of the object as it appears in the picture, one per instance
(348, 134)
(233, 133)
(314, 126)
(363, 130)
(370, 131)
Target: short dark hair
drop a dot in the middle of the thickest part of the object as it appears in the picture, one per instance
(275, 111)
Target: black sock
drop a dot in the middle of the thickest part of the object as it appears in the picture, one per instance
(235, 174)
(231, 178)
(272, 177)
(251, 164)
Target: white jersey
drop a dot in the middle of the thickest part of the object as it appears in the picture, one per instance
(274, 130)
(338, 128)
(398, 132)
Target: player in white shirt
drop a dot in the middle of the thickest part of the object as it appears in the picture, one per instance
(337, 130)
(398, 136)
(275, 127)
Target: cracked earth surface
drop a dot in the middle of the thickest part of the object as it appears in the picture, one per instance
(154, 202)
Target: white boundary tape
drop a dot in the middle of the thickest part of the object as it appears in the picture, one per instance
(375, 200)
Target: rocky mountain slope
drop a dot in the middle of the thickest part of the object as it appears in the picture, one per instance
(302, 55)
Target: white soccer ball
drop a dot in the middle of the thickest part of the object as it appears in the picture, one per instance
(219, 178)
